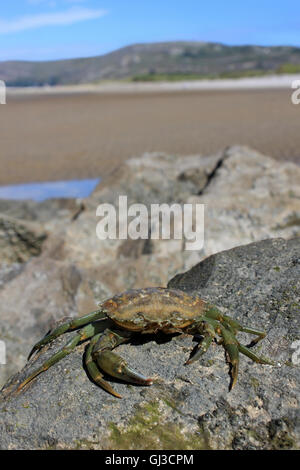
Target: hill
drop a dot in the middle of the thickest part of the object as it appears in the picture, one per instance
(169, 60)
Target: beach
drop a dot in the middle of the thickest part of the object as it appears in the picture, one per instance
(84, 134)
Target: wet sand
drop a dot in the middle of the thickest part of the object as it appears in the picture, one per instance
(84, 135)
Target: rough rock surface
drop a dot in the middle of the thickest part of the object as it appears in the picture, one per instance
(19, 240)
(188, 407)
(247, 197)
(56, 208)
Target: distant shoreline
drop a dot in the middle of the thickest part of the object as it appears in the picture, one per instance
(256, 83)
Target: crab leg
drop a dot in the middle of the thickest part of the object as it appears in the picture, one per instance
(112, 363)
(231, 347)
(237, 327)
(68, 326)
(209, 333)
(85, 333)
(261, 360)
(214, 313)
(94, 371)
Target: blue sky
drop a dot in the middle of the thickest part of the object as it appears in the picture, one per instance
(56, 29)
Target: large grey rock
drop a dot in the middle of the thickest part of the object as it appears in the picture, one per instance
(247, 197)
(188, 407)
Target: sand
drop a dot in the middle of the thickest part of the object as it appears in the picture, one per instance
(63, 136)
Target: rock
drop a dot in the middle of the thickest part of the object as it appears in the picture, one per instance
(33, 296)
(188, 407)
(9, 271)
(55, 208)
(247, 197)
(19, 240)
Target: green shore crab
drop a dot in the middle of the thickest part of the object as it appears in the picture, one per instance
(147, 311)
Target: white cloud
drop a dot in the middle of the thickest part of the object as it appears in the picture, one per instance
(71, 16)
(52, 2)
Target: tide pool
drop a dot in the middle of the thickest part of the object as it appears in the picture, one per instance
(49, 189)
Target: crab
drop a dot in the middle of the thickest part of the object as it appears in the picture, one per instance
(147, 311)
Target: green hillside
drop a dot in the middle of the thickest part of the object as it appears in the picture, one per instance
(167, 61)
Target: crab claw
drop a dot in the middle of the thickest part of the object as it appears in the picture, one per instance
(117, 367)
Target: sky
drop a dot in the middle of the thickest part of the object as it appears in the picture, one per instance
(58, 29)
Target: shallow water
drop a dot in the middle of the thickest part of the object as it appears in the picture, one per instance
(49, 189)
